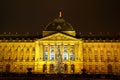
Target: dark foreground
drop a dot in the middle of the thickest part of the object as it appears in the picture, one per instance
(23, 76)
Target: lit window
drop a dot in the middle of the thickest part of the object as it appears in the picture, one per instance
(108, 58)
(90, 67)
(84, 59)
(102, 58)
(45, 52)
(33, 59)
(65, 56)
(51, 52)
(101, 52)
(71, 56)
(96, 67)
(90, 59)
(21, 67)
(115, 58)
(102, 67)
(96, 58)
(115, 52)
(15, 58)
(108, 52)
(21, 59)
(27, 59)
(45, 56)
(96, 52)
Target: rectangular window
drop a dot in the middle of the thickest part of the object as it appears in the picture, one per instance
(102, 58)
(45, 52)
(27, 59)
(15, 59)
(90, 67)
(108, 58)
(72, 56)
(21, 59)
(84, 59)
(90, 59)
(1, 58)
(33, 58)
(21, 67)
(115, 59)
(96, 58)
(51, 52)
(102, 67)
(65, 56)
(96, 67)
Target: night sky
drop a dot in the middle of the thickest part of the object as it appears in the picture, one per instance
(85, 15)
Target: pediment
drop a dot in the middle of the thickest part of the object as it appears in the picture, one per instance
(59, 36)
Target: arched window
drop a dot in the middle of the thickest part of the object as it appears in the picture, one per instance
(51, 68)
(44, 68)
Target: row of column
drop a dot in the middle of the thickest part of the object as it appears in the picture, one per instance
(39, 50)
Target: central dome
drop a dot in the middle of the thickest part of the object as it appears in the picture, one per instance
(59, 24)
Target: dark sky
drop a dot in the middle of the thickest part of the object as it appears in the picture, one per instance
(84, 15)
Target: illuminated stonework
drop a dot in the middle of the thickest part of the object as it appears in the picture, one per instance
(97, 55)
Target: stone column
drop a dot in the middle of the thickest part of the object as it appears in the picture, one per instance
(62, 51)
(41, 52)
(37, 51)
(37, 54)
(80, 54)
(24, 54)
(75, 51)
(69, 58)
(18, 54)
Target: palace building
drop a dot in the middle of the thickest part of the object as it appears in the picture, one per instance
(59, 43)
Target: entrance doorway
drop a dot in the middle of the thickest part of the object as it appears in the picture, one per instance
(8, 68)
(1, 68)
(72, 68)
(109, 67)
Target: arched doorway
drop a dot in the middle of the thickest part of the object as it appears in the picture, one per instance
(44, 68)
(51, 68)
(72, 68)
(1, 68)
(109, 67)
(66, 68)
(8, 68)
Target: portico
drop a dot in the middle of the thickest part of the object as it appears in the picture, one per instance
(69, 50)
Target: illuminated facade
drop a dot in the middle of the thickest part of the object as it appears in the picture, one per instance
(95, 53)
